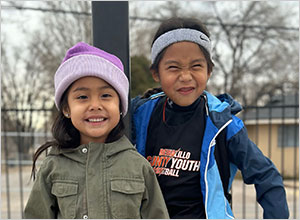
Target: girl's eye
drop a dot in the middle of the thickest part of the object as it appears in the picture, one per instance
(106, 95)
(82, 97)
(172, 67)
(197, 66)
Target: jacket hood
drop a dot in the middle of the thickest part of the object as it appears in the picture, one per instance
(234, 105)
(107, 149)
(221, 108)
(221, 102)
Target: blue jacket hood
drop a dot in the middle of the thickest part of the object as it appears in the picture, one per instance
(221, 108)
(234, 105)
(221, 102)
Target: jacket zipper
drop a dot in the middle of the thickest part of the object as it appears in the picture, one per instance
(212, 143)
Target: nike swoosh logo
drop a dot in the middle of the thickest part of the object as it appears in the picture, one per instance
(202, 38)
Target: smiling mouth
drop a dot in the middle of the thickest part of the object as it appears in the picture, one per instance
(95, 120)
(186, 90)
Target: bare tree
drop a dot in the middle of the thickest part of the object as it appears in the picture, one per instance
(63, 25)
(27, 75)
(257, 54)
(14, 95)
(61, 31)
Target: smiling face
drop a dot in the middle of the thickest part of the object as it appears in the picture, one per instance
(182, 73)
(93, 106)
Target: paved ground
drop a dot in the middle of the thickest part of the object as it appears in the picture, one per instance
(239, 189)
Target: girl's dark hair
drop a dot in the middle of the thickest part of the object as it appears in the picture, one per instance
(151, 91)
(67, 136)
(176, 23)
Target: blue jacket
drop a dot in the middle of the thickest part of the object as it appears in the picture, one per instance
(243, 155)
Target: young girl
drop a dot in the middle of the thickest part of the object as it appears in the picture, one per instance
(192, 139)
(92, 170)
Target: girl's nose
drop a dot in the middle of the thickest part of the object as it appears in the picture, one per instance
(185, 75)
(95, 105)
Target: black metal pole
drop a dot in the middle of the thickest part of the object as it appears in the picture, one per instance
(111, 33)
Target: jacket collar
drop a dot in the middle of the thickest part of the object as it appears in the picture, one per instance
(221, 102)
(106, 149)
(221, 108)
(215, 103)
(120, 145)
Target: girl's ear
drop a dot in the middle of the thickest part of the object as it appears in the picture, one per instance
(208, 75)
(66, 112)
(155, 76)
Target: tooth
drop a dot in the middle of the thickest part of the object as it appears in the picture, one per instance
(96, 119)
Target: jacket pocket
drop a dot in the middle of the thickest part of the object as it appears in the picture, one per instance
(126, 197)
(66, 193)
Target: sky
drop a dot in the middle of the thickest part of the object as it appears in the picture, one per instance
(12, 20)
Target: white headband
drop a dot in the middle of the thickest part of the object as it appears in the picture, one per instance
(177, 35)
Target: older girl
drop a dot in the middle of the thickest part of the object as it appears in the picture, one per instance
(193, 139)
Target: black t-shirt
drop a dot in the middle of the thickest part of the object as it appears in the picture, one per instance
(173, 149)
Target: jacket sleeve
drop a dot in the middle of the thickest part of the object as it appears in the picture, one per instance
(153, 204)
(259, 170)
(41, 203)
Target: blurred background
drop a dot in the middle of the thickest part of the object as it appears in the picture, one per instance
(255, 49)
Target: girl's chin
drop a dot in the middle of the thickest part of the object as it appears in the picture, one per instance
(184, 102)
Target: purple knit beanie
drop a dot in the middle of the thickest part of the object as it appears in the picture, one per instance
(84, 60)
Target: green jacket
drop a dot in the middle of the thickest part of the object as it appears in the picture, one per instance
(96, 181)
